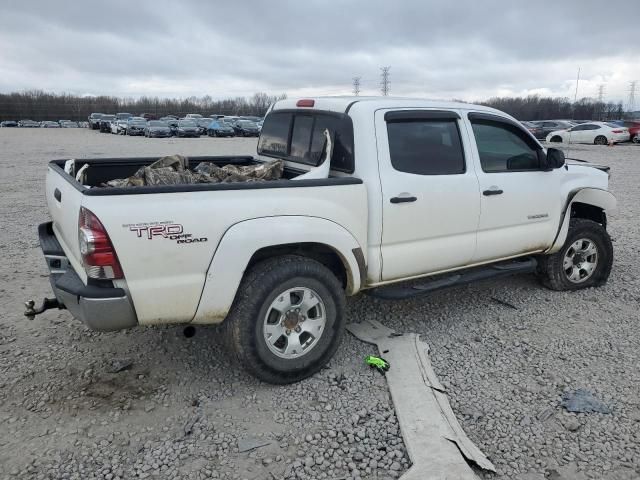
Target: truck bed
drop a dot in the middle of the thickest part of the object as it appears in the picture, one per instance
(102, 170)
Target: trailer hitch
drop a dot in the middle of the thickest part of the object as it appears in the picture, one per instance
(47, 304)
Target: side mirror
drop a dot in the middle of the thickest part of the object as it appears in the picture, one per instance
(555, 158)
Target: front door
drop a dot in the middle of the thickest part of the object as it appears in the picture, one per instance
(520, 202)
(430, 196)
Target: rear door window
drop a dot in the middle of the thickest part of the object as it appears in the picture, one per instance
(426, 147)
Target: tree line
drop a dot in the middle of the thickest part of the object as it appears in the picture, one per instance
(535, 107)
(38, 105)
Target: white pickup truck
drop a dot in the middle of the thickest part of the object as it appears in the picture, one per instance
(444, 192)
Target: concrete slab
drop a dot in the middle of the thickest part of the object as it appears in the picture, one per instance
(434, 438)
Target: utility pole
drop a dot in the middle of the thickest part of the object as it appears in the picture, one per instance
(356, 86)
(632, 95)
(384, 81)
(601, 93)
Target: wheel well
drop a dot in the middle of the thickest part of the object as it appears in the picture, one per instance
(590, 212)
(320, 252)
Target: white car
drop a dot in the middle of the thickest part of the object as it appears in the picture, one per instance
(375, 191)
(598, 133)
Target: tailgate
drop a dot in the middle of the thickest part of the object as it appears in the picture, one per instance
(63, 201)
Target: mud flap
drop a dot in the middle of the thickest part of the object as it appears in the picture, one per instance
(432, 434)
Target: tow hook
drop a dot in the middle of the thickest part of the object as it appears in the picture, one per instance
(47, 304)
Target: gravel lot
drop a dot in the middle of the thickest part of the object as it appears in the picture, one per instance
(182, 410)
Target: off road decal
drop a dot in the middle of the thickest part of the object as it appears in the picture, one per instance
(166, 229)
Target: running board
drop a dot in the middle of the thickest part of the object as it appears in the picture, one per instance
(402, 291)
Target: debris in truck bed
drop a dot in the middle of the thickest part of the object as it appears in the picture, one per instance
(174, 170)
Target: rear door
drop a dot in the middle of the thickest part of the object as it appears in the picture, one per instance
(430, 196)
(520, 202)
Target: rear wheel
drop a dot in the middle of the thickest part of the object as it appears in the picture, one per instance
(636, 139)
(584, 260)
(287, 319)
(601, 140)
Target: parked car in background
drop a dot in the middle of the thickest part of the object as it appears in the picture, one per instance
(634, 129)
(535, 129)
(598, 133)
(220, 129)
(83, 124)
(157, 129)
(28, 124)
(94, 120)
(119, 126)
(172, 123)
(203, 124)
(105, 123)
(49, 124)
(136, 126)
(187, 128)
(192, 116)
(68, 124)
(8, 123)
(245, 128)
(123, 116)
(549, 126)
(148, 116)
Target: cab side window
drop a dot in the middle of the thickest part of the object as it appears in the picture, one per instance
(504, 147)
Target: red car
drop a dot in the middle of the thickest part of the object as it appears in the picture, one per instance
(634, 129)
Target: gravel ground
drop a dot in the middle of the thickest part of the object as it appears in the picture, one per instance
(150, 403)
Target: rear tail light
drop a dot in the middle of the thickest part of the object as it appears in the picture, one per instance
(98, 255)
(617, 131)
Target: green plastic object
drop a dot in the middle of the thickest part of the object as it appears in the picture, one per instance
(378, 363)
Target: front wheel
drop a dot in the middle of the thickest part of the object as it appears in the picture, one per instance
(601, 140)
(584, 260)
(556, 139)
(287, 319)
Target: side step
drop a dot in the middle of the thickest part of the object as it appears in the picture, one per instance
(403, 291)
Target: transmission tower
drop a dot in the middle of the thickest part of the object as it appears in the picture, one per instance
(356, 86)
(601, 93)
(384, 81)
(632, 95)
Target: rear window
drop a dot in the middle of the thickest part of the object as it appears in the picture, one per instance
(299, 137)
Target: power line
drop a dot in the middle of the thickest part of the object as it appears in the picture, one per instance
(632, 95)
(384, 81)
(356, 86)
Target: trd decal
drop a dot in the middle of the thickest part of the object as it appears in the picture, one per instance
(168, 230)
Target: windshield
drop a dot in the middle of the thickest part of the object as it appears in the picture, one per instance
(186, 123)
(108, 117)
(246, 123)
(157, 123)
(138, 122)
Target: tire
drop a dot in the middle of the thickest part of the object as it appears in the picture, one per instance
(582, 232)
(284, 279)
(601, 140)
(636, 139)
(556, 139)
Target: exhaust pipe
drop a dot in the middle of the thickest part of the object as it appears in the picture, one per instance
(189, 331)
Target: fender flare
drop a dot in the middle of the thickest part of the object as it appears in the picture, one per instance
(242, 240)
(591, 196)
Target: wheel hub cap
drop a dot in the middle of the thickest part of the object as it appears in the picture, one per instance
(294, 322)
(580, 260)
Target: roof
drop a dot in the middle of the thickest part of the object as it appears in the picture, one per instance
(342, 103)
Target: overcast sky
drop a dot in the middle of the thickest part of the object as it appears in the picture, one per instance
(464, 49)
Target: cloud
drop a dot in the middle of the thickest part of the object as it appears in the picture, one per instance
(465, 49)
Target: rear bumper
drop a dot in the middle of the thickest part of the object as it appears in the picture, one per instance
(104, 308)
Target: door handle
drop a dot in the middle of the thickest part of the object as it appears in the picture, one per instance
(402, 199)
(57, 194)
(492, 192)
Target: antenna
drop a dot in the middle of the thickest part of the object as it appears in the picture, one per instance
(384, 81)
(356, 86)
(573, 110)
